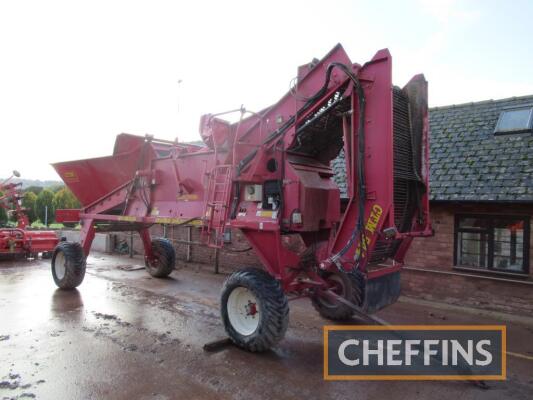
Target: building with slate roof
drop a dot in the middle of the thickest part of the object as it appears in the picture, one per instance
(472, 162)
(481, 191)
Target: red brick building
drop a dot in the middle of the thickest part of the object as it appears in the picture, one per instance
(481, 207)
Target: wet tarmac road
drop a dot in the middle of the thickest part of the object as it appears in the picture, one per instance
(125, 335)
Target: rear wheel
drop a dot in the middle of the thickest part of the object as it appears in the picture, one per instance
(164, 258)
(68, 265)
(254, 309)
(347, 285)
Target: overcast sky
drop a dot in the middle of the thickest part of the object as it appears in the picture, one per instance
(74, 74)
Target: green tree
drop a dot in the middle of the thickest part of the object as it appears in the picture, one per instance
(3, 214)
(29, 203)
(65, 199)
(56, 188)
(45, 199)
(34, 189)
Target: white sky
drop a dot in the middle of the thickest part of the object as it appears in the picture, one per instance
(73, 74)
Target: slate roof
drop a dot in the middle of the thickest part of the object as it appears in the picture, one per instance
(468, 162)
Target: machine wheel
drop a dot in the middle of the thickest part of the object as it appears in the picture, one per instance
(165, 258)
(349, 286)
(254, 309)
(47, 254)
(68, 265)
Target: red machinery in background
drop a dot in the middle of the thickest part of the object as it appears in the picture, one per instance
(269, 175)
(20, 241)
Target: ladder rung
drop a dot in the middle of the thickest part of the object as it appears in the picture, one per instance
(217, 203)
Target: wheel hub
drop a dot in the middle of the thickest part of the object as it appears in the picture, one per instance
(59, 265)
(243, 311)
(251, 308)
(337, 286)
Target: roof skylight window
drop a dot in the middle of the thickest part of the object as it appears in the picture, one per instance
(516, 120)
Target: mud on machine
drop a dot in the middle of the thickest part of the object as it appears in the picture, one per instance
(269, 175)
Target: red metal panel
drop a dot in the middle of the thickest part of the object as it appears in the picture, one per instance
(94, 178)
(69, 215)
(376, 79)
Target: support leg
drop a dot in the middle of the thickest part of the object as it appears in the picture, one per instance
(147, 244)
(87, 235)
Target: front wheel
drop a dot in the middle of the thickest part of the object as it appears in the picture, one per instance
(68, 265)
(254, 309)
(164, 258)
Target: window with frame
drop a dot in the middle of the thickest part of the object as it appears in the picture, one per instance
(516, 120)
(492, 243)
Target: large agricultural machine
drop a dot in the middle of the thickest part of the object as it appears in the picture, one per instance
(21, 241)
(269, 175)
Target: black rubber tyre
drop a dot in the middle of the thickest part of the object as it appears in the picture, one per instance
(68, 265)
(270, 306)
(165, 258)
(349, 286)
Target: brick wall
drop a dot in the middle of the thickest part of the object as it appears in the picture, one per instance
(429, 272)
(488, 293)
(233, 256)
(437, 252)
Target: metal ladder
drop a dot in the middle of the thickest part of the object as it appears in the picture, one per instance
(217, 205)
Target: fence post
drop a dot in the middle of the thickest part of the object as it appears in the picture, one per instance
(131, 244)
(216, 260)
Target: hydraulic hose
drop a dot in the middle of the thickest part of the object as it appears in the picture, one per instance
(361, 185)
